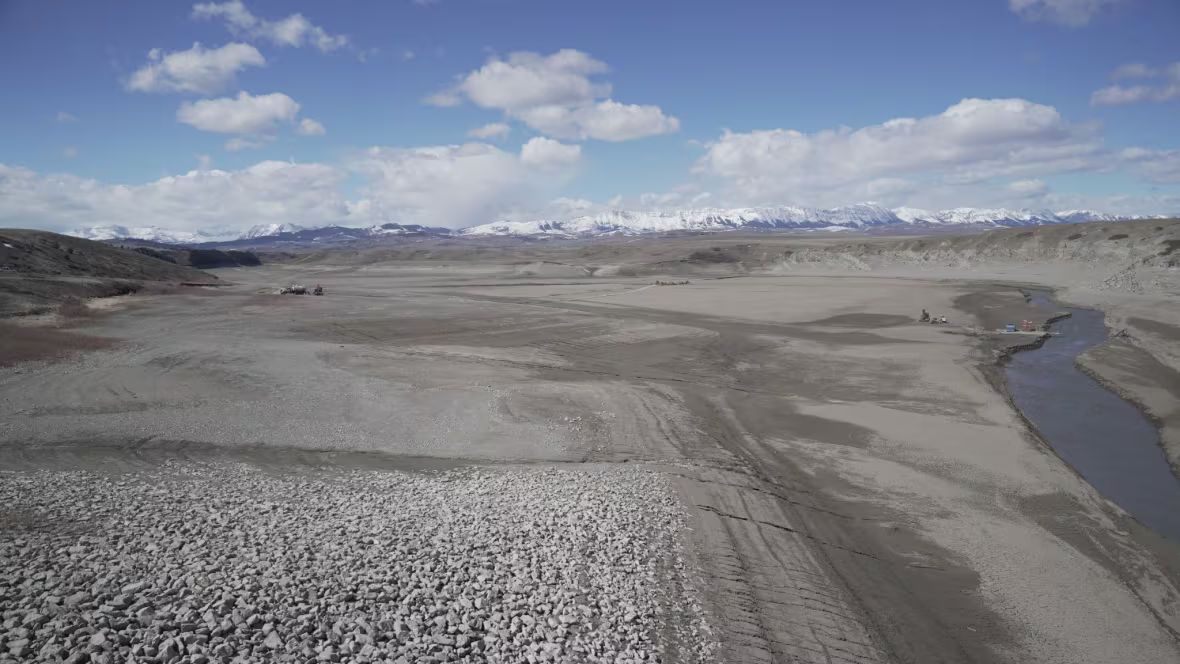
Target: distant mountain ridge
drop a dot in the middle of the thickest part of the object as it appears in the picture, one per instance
(150, 233)
(623, 222)
(259, 235)
(853, 217)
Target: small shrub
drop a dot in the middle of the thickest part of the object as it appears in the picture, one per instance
(714, 256)
(37, 310)
(1075, 236)
(209, 258)
(156, 254)
(245, 258)
(1118, 236)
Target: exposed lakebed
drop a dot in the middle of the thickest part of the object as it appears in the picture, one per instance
(1107, 439)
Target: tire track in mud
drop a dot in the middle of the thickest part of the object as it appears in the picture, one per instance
(842, 601)
(820, 582)
(775, 599)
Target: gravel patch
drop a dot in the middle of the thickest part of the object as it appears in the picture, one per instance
(226, 562)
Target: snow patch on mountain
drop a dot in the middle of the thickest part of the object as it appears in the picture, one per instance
(151, 233)
(1075, 216)
(405, 229)
(265, 230)
(996, 217)
(914, 215)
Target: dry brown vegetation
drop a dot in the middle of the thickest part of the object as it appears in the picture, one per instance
(24, 344)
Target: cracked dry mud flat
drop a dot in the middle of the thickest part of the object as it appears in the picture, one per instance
(225, 562)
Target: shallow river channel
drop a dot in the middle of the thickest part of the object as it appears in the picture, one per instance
(1105, 438)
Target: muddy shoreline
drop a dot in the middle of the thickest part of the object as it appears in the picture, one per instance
(1116, 386)
(1002, 353)
(1129, 397)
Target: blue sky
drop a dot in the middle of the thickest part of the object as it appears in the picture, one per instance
(227, 114)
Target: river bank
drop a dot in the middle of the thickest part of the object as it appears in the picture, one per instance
(1139, 364)
(1107, 439)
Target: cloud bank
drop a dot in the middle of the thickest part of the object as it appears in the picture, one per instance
(267, 192)
(445, 185)
(971, 142)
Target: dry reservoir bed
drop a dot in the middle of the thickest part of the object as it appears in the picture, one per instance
(792, 461)
(223, 561)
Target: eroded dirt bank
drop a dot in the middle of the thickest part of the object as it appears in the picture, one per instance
(855, 489)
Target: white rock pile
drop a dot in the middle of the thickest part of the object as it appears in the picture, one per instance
(225, 562)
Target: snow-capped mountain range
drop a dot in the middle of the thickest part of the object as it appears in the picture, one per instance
(152, 233)
(255, 235)
(626, 222)
(853, 217)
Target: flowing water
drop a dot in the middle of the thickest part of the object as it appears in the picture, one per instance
(1106, 438)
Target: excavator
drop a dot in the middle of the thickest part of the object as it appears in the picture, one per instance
(296, 289)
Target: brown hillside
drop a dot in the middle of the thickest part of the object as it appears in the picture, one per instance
(39, 269)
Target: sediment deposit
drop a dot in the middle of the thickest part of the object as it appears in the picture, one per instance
(772, 462)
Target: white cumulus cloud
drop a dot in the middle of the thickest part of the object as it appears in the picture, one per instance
(1160, 85)
(492, 130)
(970, 142)
(556, 94)
(525, 80)
(294, 30)
(309, 127)
(606, 120)
(548, 154)
(198, 70)
(1070, 13)
(244, 114)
